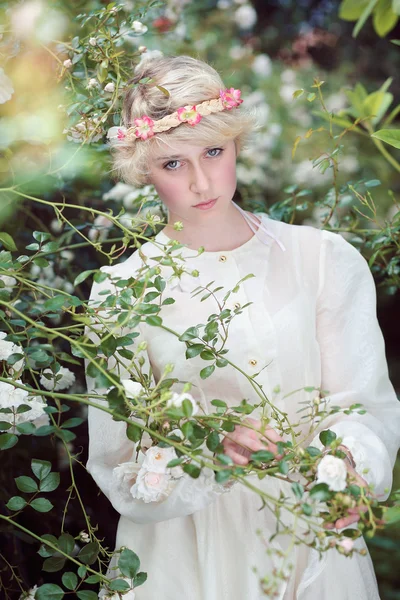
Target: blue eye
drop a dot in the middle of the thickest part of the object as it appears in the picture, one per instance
(168, 165)
(218, 150)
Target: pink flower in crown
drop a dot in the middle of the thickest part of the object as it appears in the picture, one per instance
(189, 114)
(230, 98)
(144, 128)
(121, 134)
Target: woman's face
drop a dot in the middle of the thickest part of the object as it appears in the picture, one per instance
(185, 175)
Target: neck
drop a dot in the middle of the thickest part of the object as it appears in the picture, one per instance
(228, 232)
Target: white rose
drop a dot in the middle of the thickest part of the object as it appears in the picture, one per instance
(93, 41)
(29, 595)
(151, 486)
(84, 537)
(13, 397)
(110, 87)
(126, 473)
(142, 49)
(9, 282)
(332, 471)
(138, 27)
(8, 348)
(132, 388)
(245, 16)
(156, 459)
(177, 401)
(59, 381)
(67, 63)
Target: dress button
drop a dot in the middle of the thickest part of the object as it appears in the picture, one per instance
(222, 258)
(253, 362)
(236, 305)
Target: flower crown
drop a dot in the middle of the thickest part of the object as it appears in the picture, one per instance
(144, 128)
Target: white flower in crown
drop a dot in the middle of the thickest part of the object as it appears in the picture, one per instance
(332, 471)
(177, 401)
(59, 381)
(116, 134)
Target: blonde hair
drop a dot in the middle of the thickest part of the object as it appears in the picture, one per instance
(183, 81)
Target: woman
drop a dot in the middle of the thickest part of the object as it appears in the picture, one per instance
(311, 322)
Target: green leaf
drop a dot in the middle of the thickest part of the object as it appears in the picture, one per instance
(7, 440)
(140, 579)
(93, 579)
(219, 403)
(73, 422)
(154, 321)
(222, 476)
(66, 543)
(82, 572)
(313, 451)
(49, 591)
(384, 18)
(16, 503)
(225, 459)
(283, 467)
(40, 468)
(187, 408)
(26, 428)
(307, 509)
(364, 16)
(4, 425)
(87, 595)
(88, 554)
(192, 470)
(41, 505)
(207, 371)
(82, 276)
(26, 484)
(128, 563)
(262, 456)
(377, 104)
(70, 580)
(298, 489)
(54, 564)
(194, 350)
(327, 437)
(351, 10)
(321, 492)
(297, 93)
(396, 7)
(389, 136)
(7, 241)
(50, 483)
(213, 441)
(119, 585)
(189, 334)
(133, 432)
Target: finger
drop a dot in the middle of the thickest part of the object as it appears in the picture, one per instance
(358, 509)
(346, 521)
(237, 458)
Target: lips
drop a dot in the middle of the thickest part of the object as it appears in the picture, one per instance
(206, 202)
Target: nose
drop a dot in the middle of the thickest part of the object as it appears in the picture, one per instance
(199, 183)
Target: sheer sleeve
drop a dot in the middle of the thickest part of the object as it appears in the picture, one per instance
(353, 362)
(109, 447)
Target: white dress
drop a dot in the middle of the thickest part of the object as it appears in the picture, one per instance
(311, 322)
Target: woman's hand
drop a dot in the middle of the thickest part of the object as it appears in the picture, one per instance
(243, 441)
